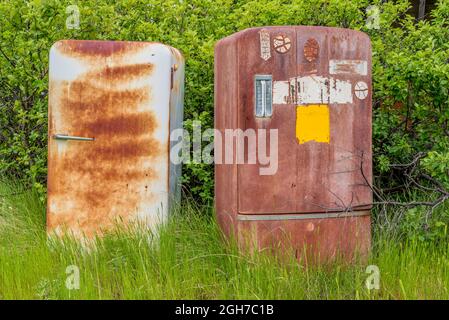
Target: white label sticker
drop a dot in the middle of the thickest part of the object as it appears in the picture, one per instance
(265, 48)
(280, 92)
(348, 67)
(361, 90)
(312, 90)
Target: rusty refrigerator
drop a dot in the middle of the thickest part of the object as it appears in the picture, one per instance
(309, 89)
(112, 106)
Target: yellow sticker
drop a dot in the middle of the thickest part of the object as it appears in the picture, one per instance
(312, 123)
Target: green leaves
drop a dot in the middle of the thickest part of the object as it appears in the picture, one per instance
(410, 68)
(437, 164)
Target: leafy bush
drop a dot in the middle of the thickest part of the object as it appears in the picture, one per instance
(415, 226)
(410, 69)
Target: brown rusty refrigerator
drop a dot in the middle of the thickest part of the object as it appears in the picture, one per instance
(309, 90)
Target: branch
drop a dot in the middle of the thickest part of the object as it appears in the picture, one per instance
(409, 171)
(12, 63)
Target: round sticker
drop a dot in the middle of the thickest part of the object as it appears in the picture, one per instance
(361, 90)
(282, 44)
(311, 50)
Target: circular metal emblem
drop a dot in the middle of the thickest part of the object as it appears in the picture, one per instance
(361, 90)
(282, 44)
(311, 49)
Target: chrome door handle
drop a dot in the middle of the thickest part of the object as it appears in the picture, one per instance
(67, 137)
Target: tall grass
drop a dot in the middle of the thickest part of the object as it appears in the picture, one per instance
(189, 260)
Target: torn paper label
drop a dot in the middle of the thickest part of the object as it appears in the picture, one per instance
(312, 90)
(359, 67)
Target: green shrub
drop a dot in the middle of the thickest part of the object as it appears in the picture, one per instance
(410, 69)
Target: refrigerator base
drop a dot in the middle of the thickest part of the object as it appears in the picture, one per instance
(310, 240)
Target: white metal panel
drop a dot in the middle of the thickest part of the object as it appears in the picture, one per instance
(120, 94)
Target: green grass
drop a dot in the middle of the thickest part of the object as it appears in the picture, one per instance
(189, 260)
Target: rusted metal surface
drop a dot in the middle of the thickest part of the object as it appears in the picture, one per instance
(117, 93)
(324, 69)
(310, 240)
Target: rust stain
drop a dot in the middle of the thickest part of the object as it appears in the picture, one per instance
(113, 75)
(97, 49)
(177, 54)
(346, 68)
(104, 177)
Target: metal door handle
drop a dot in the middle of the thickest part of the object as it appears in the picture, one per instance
(67, 137)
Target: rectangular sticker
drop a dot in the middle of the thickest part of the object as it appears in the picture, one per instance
(281, 92)
(312, 90)
(348, 67)
(313, 123)
(265, 48)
